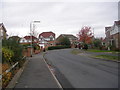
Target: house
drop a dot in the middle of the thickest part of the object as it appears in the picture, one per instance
(113, 35)
(108, 37)
(28, 40)
(46, 39)
(3, 34)
(73, 39)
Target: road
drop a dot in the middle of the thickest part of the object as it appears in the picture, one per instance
(82, 72)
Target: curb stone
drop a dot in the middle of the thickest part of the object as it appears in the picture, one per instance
(52, 73)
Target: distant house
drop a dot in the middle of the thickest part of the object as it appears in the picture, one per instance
(28, 40)
(3, 34)
(113, 35)
(73, 39)
(108, 37)
(46, 39)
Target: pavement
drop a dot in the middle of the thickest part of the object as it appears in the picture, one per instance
(79, 71)
(36, 75)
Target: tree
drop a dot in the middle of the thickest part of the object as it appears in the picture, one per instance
(64, 41)
(15, 38)
(85, 35)
(97, 42)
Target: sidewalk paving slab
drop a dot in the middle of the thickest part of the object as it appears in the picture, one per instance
(36, 75)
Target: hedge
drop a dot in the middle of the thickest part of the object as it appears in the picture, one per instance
(58, 47)
(7, 54)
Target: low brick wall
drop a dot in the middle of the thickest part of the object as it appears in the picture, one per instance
(37, 51)
(27, 52)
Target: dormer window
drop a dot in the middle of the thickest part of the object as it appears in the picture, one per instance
(41, 36)
(51, 38)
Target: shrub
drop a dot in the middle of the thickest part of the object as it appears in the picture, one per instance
(15, 47)
(97, 42)
(36, 47)
(85, 46)
(7, 54)
(58, 47)
(25, 46)
(6, 77)
(64, 41)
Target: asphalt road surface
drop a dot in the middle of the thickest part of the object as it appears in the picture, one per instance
(78, 71)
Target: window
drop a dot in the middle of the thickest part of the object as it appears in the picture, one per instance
(23, 40)
(1, 32)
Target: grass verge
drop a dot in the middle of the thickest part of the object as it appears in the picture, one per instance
(75, 51)
(95, 50)
(108, 57)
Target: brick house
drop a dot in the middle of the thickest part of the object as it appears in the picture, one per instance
(3, 34)
(28, 40)
(108, 37)
(73, 39)
(113, 35)
(46, 39)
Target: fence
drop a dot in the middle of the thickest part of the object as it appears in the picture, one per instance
(8, 70)
(12, 69)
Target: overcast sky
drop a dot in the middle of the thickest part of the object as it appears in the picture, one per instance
(61, 17)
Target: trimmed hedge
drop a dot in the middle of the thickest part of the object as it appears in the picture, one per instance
(58, 47)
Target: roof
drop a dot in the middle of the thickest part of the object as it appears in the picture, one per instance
(69, 36)
(47, 34)
(106, 28)
(29, 37)
(117, 22)
(2, 25)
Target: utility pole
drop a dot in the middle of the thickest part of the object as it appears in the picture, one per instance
(31, 33)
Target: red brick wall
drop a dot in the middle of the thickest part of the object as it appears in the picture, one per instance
(116, 38)
(27, 52)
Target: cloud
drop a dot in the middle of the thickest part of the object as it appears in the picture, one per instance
(60, 17)
(119, 10)
(61, 0)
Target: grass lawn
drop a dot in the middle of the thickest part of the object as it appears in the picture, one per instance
(95, 50)
(75, 51)
(107, 57)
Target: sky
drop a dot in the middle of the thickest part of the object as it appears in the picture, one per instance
(58, 16)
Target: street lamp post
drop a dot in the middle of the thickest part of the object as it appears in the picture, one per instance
(31, 33)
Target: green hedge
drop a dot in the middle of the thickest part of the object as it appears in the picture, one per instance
(15, 47)
(58, 47)
(7, 54)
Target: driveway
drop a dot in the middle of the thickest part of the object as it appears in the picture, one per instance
(82, 72)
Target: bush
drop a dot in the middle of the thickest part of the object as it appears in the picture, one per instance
(85, 46)
(64, 41)
(97, 42)
(15, 47)
(36, 47)
(7, 54)
(58, 47)
(25, 46)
